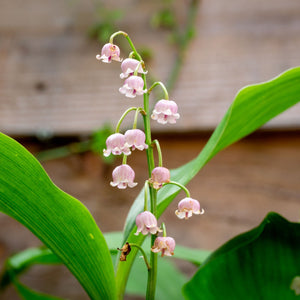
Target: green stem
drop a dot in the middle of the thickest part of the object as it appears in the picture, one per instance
(123, 117)
(181, 186)
(160, 163)
(139, 110)
(164, 229)
(111, 39)
(146, 189)
(143, 253)
(152, 273)
(64, 151)
(163, 88)
(124, 159)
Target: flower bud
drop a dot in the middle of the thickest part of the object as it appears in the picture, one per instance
(164, 244)
(116, 145)
(187, 207)
(123, 176)
(109, 52)
(129, 65)
(133, 86)
(135, 138)
(146, 222)
(159, 176)
(165, 111)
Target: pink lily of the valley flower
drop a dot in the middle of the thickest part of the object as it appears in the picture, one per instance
(159, 175)
(146, 223)
(165, 111)
(135, 138)
(133, 86)
(187, 207)
(164, 244)
(129, 65)
(109, 52)
(123, 176)
(116, 145)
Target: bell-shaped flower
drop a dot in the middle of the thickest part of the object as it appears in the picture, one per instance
(129, 65)
(159, 176)
(123, 176)
(165, 111)
(135, 138)
(146, 223)
(165, 245)
(133, 85)
(116, 145)
(109, 52)
(187, 207)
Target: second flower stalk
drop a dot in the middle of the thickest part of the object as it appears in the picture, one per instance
(165, 111)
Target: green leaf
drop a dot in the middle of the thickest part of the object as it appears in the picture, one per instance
(29, 294)
(60, 221)
(21, 261)
(137, 283)
(259, 264)
(169, 279)
(253, 106)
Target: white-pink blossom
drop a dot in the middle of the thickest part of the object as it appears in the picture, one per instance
(116, 145)
(187, 207)
(133, 85)
(165, 111)
(123, 176)
(109, 52)
(165, 245)
(129, 65)
(146, 223)
(135, 138)
(159, 176)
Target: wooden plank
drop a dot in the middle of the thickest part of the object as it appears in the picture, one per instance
(51, 83)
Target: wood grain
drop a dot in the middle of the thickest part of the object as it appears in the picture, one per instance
(51, 84)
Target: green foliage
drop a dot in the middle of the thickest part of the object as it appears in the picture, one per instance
(105, 25)
(259, 264)
(20, 262)
(60, 221)
(253, 106)
(66, 227)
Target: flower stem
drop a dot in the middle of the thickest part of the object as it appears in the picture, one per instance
(139, 110)
(146, 189)
(156, 142)
(181, 186)
(162, 86)
(152, 272)
(164, 229)
(123, 117)
(143, 253)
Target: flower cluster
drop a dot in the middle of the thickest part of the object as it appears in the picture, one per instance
(165, 111)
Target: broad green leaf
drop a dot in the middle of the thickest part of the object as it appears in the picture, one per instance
(259, 264)
(253, 106)
(21, 261)
(29, 294)
(60, 221)
(169, 279)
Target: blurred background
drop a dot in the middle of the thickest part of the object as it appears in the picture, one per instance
(61, 104)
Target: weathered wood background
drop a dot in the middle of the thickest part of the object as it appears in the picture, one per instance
(51, 84)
